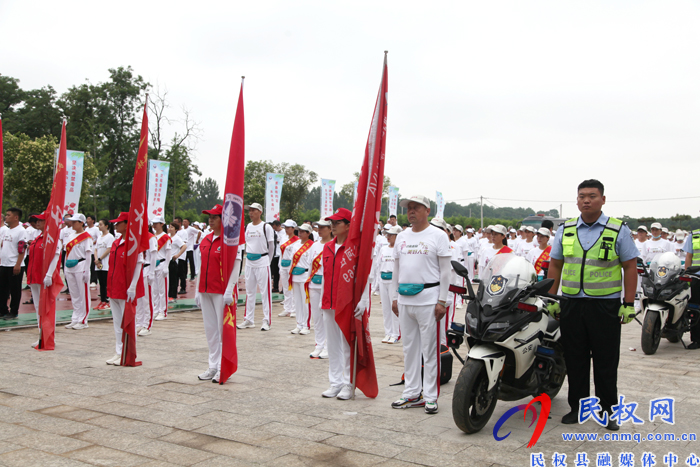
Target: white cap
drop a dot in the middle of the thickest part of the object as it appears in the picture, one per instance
(664, 230)
(643, 227)
(501, 229)
(522, 227)
(470, 230)
(289, 223)
(394, 230)
(323, 223)
(306, 227)
(420, 199)
(254, 206)
(158, 219)
(530, 228)
(490, 227)
(77, 217)
(439, 222)
(459, 227)
(680, 236)
(513, 231)
(387, 226)
(656, 225)
(544, 231)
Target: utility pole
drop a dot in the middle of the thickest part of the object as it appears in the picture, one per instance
(561, 212)
(482, 211)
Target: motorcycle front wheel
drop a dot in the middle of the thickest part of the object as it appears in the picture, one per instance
(472, 404)
(651, 332)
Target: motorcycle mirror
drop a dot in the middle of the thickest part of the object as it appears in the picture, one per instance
(464, 272)
(692, 269)
(545, 284)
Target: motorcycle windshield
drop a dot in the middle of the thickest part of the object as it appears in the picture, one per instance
(663, 268)
(503, 279)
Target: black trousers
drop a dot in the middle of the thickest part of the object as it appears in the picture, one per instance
(190, 260)
(93, 275)
(182, 273)
(275, 269)
(102, 278)
(590, 329)
(10, 288)
(173, 278)
(63, 266)
(695, 298)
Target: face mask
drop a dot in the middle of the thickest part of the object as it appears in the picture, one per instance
(656, 236)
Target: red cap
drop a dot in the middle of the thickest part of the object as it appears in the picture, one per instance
(340, 214)
(123, 216)
(215, 211)
(39, 217)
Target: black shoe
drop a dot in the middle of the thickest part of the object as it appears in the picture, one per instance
(182, 292)
(9, 317)
(612, 425)
(694, 345)
(26, 287)
(66, 292)
(570, 418)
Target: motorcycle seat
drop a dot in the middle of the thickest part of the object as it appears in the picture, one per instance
(552, 325)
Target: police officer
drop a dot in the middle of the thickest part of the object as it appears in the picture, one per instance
(588, 256)
(692, 258)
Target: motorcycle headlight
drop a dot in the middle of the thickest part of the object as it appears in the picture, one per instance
(498, 326)
(471, 320)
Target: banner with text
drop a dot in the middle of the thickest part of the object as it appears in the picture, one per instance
(440, 201)
(157, 187)
(327, 190)
(393, 200)
(75, 160)
(273, 191)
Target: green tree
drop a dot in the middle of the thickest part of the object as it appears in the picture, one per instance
(204, 195)
(297, 180)
(10, 97)
(347, 192)
(680, 218)
(254, 180)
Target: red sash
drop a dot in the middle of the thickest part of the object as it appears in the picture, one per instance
(286, 244)
(163, 240)
(543, 257)
(505, 249)
(295, 260)
(80, 238)
(315, 266)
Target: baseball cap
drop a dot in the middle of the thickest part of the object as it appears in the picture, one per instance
(513, 231)
(289, 223)
(459, 227)
(306, 228)
(470, 230)
(656, 225)
(340, 215)
(643, 227)
(39, 217)
(530, 228)
(420, 199)
(77, 218)
(498, 228)
(664, 230)
(158, 220)
(387, 226)
(440, 223)
(545, 231)
(123, 216)
(254, 206)
(215, 211)
(395, 230)
(323, 223)
(680, 236)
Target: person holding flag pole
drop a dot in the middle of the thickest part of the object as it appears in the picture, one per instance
(162, 259)
(314, 289)
(144, 308)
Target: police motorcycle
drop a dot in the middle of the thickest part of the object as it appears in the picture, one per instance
(514, 348)
(664, 300)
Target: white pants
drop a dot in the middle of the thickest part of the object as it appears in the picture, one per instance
(288, 302)
(303, 309)
(117, 305)
(80, 297)
(36, 296)
(338, 351)
(421, 336)
(197, 260)
(159, 292)
(391, 321)
(258, 278)
(376, 283)
(213, 317)
(317, 316)
(471, 259)
(144, 308)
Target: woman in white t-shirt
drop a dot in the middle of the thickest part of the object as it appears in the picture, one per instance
(300, 253)
(314, 288)
(178, 249)
(102, 248)
(385, 268)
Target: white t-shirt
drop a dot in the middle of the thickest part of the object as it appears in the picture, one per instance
(641, 247)
(163, 252)
(79, 251)
(524, 248)
(281, 238)
(66, 233)
(678, 247)
(176, 245)
(94, 232)
(418, 254)
(386, 260)
(534, 254)
(182, 233)
(314, 251)
(257, 243)
(379, 242)
(11, 241)
(104, 243)
(192, 233)
(304, 261)
(655, 247)
(457, 249)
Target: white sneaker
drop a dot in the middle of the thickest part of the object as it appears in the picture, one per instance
(160, 317)
(93, 285)
(304, 331)
(315, 354)
(209, 374)
(144, 332)
(283, 314)
(392, 340)
(460, 306)
(117, 358)
(292, 315)
(296, 330)
(216, 377)
(245, 324)
(386, 339)
(80, 326)
(35, 345)
(265, 326)
(346, 393)
(70, 325)
(323, 354)
(332, 391)
(375, 293)
(138, 329)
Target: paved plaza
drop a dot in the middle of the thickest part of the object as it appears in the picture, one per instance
(67, 407)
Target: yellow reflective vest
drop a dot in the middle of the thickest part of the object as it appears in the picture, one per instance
(696, 248)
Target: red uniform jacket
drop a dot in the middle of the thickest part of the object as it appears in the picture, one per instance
(36, 257)
(331, 273)
(117, 282)
(211, 271)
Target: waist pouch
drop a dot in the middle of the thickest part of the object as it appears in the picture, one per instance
(195, 247)
(415, 289)
(71, 263)
(158, 261)
(386, 276)
(254, 256)
(470, 253)
(285, 263)
(146, 265)
(298, 271)
(317, 279)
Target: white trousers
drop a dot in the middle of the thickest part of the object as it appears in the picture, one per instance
(338, 351)
(213, 317)
(317, 316)
(117, 305)
(421, 336)
(391, 321)
(80, 297)
(144, 308)
(36, 296)
(159, 292)
(288, 302)
(197, 260)
(471, 259)
(302, 308)
(257, 278)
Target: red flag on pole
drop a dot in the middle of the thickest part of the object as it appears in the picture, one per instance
(2, 163)
(136, 240)
(231, 225)
(52, 231)
(356, 264)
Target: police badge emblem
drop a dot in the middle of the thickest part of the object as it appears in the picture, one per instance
(662, 271)
(497, 285)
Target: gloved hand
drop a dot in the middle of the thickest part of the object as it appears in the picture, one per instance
(554, 309)
(362, 305)
(131, 293)
(48, 281)
(626, 313)
(228, 298)
(197, 300)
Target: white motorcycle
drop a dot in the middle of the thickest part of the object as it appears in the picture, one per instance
(664, 300)
(514, 349)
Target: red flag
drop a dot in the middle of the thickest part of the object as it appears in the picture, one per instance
(2, 163)
(357, 259)
(136, 240)
(231, 225)
(52, 231)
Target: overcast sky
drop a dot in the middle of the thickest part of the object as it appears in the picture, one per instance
(511, 100)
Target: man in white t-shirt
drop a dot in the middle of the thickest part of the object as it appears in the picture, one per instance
(182, 260)
(193, 236)
(260, 248)
(656, 245)
(13, 246)
(94, 232)
(421, 277)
